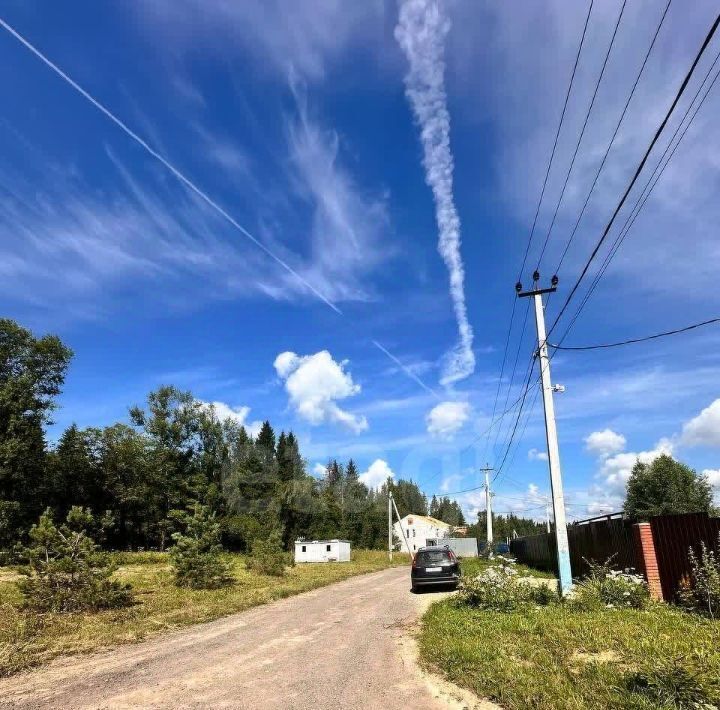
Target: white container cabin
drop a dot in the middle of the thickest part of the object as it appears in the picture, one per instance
(322, 551)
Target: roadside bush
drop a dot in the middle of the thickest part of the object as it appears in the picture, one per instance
(678, 683)
(604, 587)
(197, 555)
(498, 588)
(701, 593)
(66, 571)
(268, 556)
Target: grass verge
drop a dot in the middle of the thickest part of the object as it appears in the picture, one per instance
(553, 657)
(472, 566)
(30, 639)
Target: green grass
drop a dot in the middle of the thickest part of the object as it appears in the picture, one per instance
(557, 658)
(473, 566)
(30, 639)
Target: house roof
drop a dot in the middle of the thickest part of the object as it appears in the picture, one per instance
(429, 520)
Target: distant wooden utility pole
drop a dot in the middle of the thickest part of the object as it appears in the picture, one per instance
(488, 505)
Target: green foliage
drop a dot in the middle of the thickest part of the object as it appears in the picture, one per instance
(267, 556)
(609, 588)
(505, 526)
(449, 511)
(66, 571)
(497, 588)
(197, 555)
(701, 592)
(666, 487)
(675, 683)
(32, 371)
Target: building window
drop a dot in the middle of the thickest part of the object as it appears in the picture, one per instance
(414, 548)
(327, 548)
(304, 549)
(413, 532)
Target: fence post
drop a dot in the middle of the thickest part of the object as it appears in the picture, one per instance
(647, 558)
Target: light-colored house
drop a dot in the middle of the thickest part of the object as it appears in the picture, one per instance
(420, 531)
(322, 551)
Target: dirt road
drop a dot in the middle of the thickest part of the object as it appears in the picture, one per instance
(342, 646)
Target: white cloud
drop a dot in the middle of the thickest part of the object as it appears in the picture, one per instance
(308, 35)
(604, 443)
(377, 473)
(314, 383)
(450, 481)
(237, 414)
(704, 429)
(444, 420)
(319, 470)
(535, 455)
(615, 470)
(421, 32)
(349, 228)
(713, 476)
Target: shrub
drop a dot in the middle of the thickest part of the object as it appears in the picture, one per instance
(197, 555)
(677, 683)
(701, 592)
(497, 588)
(609, 588)
(268, 556)
(66, 571)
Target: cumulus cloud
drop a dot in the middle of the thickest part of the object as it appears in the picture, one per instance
(444, 420)
(713, 477)
(421, 32)
(615, 470)
(237, 414)
(536, 455)
(314, 383)
(378, 472)
(319, 470)
(604, 443)
(704, 429)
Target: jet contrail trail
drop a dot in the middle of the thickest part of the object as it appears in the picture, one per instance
(420, 32)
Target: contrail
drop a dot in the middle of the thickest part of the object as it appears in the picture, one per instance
(420, 32)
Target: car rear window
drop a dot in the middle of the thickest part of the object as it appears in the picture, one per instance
(433, 557)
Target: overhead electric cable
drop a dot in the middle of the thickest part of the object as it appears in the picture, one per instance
(612, 139)
(638, 170)
(582, 133)
(646, 192)
(539, 204)
(636, 340)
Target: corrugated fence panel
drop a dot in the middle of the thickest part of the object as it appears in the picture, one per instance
(673, 536)
(596, 540)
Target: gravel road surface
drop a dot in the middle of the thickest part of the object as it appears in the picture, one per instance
(343, 646)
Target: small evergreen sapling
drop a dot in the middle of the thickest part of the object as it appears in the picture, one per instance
(66, 571)
(197, 555)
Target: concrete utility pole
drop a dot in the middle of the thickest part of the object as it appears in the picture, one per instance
(558, 499)
(488, 505)
(390, 544)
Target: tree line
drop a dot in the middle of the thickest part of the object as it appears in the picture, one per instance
(172, 453)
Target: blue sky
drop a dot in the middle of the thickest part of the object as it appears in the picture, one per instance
(302, 123)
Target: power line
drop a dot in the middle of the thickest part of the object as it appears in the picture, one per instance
(537, 209)
(612, 139)
(638, 170)
(645, 194)
(582, 132)
(636, 340)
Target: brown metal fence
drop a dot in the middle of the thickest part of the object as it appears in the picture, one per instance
(611, 536)
(673, 536)
(594, 540)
